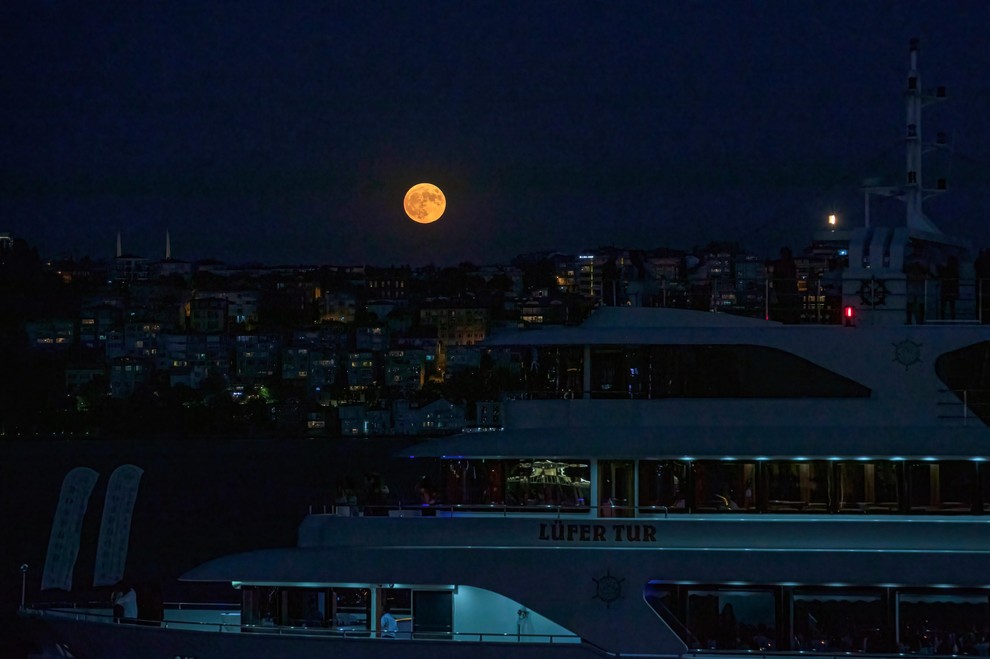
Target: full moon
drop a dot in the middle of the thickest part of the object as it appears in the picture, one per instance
(424, 203)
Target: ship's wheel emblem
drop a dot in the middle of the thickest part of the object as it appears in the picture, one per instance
(873, 292)
(608, 588)
(907, 352)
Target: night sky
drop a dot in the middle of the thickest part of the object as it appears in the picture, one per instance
(289, 132)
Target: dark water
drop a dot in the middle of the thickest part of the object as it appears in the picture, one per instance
(198, 499)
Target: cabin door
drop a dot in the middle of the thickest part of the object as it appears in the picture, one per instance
(616, 488)
(433, 613)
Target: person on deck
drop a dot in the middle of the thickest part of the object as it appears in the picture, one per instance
(389, 625)
(125, 597)
(948, 275)
(917, 274)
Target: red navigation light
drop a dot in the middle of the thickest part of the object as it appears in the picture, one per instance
(849, 316)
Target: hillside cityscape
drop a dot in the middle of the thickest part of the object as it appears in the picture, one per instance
(135, 347)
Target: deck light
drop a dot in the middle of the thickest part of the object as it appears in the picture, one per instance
(849, 316)
(831, 221)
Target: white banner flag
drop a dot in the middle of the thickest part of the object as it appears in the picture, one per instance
(63, 544)
(115, 529)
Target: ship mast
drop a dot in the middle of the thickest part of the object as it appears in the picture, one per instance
(874, 281)
(912, 190)
(915, 100)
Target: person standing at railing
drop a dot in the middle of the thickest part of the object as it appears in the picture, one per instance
(377, 495)
(125, 603)
(785, 285)
(389, 625)
(427, 496)
(524, 626)
(916, 276)
(948, 276)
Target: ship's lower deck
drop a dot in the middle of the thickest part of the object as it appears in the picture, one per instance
(700, 618)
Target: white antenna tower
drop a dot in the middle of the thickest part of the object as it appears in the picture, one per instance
(912, 190)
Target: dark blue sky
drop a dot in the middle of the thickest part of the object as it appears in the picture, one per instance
(289, 132)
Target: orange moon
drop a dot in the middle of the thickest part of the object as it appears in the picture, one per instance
(424, 203)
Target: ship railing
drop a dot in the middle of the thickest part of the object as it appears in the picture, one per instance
(448, 510)
(939, 301)
(100, 613)
(645, 511)
(803, 654)
(81, 613)
(966, 405)
(99, 605)
(440, 636)
(610, 508)
(479, 637)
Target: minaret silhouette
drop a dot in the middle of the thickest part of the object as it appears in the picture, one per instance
(168, 246)
(119, 253)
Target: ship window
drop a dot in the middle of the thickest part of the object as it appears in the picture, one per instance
(724, 486)
(615, 488)
(552, 372)
(941, 487)
(526, 484)
(742, 371)
(867, 487)
(833, 620)
(351, 608)
(662, 485)
(619, 372)
(668, 371)
(257, 607)
(546, 482)
(797, 486)
(288, 607)
(943, 623)
(473, 482)
(305, 607)
(823, 619)
(400, 599)
(732, 619)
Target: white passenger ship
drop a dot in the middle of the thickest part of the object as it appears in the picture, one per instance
(665, 483)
